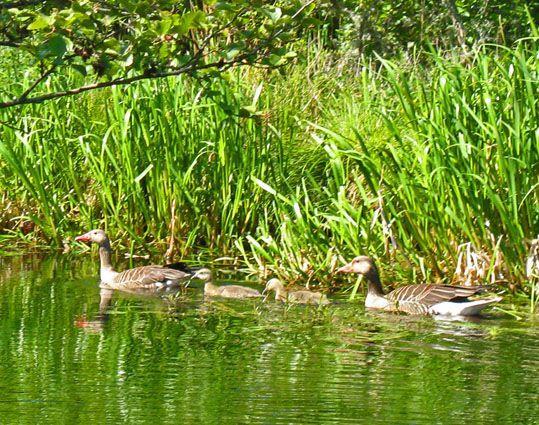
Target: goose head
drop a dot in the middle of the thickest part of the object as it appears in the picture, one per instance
(203, 274)
(362, 265)
(365, 266)
(274, 285)
(97, 236)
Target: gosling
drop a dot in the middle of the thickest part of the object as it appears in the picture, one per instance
(295, 297)
(227, 291)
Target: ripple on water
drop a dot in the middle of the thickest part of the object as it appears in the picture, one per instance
(182, 360)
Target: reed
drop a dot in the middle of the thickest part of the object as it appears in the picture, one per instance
(294, 174)
(457, 163)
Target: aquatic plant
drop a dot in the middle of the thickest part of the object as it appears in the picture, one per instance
(295, 174)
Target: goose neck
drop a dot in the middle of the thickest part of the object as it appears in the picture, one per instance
(104, 255)
(280, 293)
(375, 285)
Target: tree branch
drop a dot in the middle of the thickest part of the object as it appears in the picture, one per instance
(123, 81)
(39, 80)
(252, 57)
(13, 127)
(9, 44)
(17, 4)
(457, 22)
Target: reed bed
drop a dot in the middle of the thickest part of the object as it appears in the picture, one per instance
(295, 174)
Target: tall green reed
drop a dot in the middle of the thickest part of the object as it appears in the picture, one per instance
(132, 158)
(295, 174)
(458, 162)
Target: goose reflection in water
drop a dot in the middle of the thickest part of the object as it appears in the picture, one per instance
(98, 323)
(105, 294)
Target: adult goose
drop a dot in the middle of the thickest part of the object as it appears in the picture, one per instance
(418, 299)
(144, 277)
(297, 297)
(226, 291)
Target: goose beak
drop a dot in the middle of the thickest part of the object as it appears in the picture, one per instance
(83, 238)
(345, 269)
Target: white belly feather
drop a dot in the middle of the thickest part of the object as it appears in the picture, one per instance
(376, 301)
(468, 308)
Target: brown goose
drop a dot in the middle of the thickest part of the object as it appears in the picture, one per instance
(297, 297)
(227, 291)
(144, 277)
(417, 299)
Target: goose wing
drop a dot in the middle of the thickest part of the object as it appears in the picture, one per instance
(149, 276)
(428, 295)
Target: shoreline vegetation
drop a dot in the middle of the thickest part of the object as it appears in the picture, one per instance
(432, 169)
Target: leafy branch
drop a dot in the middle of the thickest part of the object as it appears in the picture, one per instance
(221, 65)
(125, 42)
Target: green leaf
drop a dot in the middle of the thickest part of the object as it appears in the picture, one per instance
(54, 47)
(188, 21)
(233, 52)
(225, 6)
(81, 69)
(163, 26)
(128, 61)
(312, 21)
(275, 60)
(41, 21)
(248, 111)
(274, 13)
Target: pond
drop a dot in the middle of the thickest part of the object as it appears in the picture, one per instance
(181, 360)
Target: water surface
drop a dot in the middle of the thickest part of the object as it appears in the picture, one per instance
(181, 359)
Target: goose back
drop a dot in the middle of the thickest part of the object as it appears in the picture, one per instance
(431, 294)
(149, 277)
(420, 299)
(298, 297)
(230, 291)
(307, 297)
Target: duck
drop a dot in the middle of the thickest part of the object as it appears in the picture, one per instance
(226, 291)
(419, 299)
(150, 277)
(296, 297)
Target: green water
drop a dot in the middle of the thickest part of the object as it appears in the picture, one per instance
(181, 360)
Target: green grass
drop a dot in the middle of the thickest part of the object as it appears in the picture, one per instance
(402, 162)
(457, 160)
